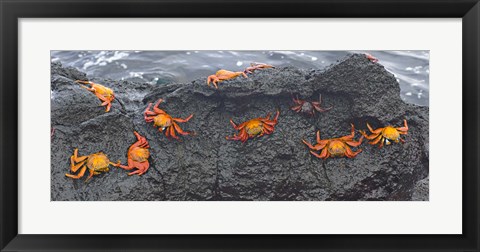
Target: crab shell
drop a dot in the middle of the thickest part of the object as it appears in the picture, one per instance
(98, 162)
(139, 154)
(104, 91)
(162, 121)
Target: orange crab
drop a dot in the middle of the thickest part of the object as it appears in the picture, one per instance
(371, 58)
(254, 128)
(222, 75)
(335, 147)
(96, 163)
(138, 154)
(254, 66)
(386, 135)
(164, 121)
(103, 93)
(307, 107)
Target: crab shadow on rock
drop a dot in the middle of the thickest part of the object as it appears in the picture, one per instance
(278, 166)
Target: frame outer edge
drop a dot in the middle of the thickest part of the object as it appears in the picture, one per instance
(2, 146)
(8, 123)
(9, 127)
(470, 120)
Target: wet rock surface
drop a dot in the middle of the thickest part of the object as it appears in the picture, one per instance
(274, 167)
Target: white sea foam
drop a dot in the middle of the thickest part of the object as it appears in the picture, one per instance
(103, 59)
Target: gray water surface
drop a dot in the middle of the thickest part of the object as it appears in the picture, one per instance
(411, 68)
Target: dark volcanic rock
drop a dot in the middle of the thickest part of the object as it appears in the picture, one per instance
(274, 167)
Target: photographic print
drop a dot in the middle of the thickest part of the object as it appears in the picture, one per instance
(239, 125)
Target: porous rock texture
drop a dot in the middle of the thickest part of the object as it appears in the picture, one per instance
(273, 167)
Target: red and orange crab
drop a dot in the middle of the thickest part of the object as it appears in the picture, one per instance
(164, 121)
(103, 93)
(96, 163)
(254, 128)
(254, 66)
(386, 135)
(308, 107)
(371, 58)
(222, 75)
(335, 147)
(138, 154)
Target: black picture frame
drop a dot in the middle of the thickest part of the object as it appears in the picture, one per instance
(11, 11)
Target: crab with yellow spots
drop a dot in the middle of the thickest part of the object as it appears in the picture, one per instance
(335, 147)
(103, 93)
(222, 75)
(164, 121)
(95, 163)
(386, 135)
(254, 128)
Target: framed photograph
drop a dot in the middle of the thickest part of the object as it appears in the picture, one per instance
(250, 126)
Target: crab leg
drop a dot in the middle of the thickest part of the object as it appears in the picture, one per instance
(91, 89)
(318, 107)
(349, 153)
(76, 158)
(149, 119)
(172, 132)
(297, 101)
(148, 112)
(374, 131)
(242, 136)
(371, 137)
(268, 128)
(156, 109)
(79, 175)
(74, 168)
(179, 130)
(355, 144)
(142, 167)
(239, 127)
(297, 108)
(241, 73)
(377, 139)
(276, 116)
(323, 154)
(214, 79)
(92, 172)
(317, 147)
(381, 142)
(267, 117)
(139, 172)
(183, 120)
(126, 167)
(138, 136)
(103, 98)
(404, 128)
